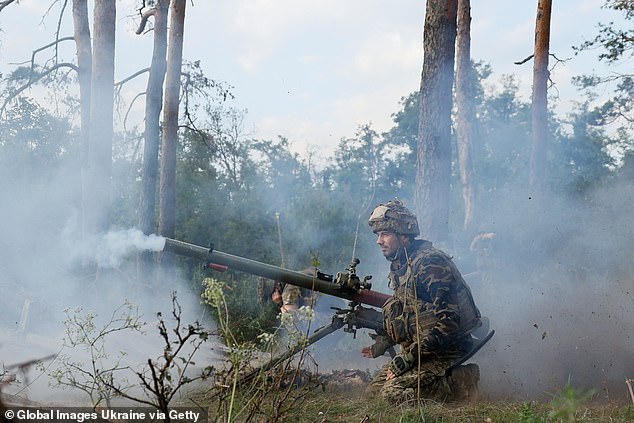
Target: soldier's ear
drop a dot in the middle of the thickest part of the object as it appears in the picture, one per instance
(405, 240)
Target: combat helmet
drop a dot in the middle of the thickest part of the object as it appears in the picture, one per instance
(395, 217)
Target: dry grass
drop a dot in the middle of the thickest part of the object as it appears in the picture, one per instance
(354, 407)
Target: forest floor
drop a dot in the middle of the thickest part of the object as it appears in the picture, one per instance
(352, 407)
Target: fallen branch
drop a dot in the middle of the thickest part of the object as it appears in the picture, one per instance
(628, 382)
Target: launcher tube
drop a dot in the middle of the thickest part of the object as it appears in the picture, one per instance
(316, 283)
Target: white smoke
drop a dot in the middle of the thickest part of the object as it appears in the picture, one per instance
(111, 249)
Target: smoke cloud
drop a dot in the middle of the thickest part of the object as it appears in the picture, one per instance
(47, 269)
(109, 250)
(555, 282)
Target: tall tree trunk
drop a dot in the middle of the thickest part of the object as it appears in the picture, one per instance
(167, 215)
(433, 158)
(101, 117)
(539, 121)
(153, 105)
(465, 116)
(84, 64)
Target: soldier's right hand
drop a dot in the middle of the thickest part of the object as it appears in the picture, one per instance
(367, 352)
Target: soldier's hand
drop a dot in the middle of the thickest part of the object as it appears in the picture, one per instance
(287, 308)
(401, 364)
(390, 374)
(276, 296)
(380, 346)
(367, 352)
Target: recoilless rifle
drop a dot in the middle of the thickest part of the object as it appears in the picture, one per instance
(346, 285)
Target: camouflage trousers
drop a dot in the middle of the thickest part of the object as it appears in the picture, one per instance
(433, 381)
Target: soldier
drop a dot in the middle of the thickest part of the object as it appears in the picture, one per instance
(288, 297)
(431, 315)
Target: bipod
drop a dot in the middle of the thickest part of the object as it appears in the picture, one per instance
(337, 322)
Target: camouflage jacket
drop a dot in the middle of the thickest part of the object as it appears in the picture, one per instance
(432, 304)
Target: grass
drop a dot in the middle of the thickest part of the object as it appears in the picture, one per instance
(354, 407)
(324, 407)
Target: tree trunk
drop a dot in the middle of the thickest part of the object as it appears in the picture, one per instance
(539, 120)
(434, 131)
(84, 64)
(153, 105)
(465, 116)
(97, 191)
(167, 215)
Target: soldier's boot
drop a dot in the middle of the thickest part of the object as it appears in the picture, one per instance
(463, 381)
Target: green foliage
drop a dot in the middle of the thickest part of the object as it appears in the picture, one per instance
(273, 394)
(567, 403)
(616, 46)
(35, 144)
(615, 42)
(528, 414)
(580, 159)
(241, 193)
(248, 319)
(625, 413)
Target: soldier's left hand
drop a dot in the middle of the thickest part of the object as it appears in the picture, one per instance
(276, 296)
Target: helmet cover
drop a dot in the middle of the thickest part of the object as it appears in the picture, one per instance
(393, 216)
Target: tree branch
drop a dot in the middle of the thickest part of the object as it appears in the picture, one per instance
(33, 80)
(144, 19)
(521, 62)
(131, 77)
(5, 3)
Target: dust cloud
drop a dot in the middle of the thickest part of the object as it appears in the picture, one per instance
(555, 281)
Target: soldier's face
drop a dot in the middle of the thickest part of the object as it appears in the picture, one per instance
(389, 243)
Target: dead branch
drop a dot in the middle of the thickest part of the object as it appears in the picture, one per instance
(127, 113)
(628, 382)
(51, 44)
(59, 26)
(131, 77)
(159, 383)
(557, 60)
(521, 62)
(119, 85)
(33, 80)
(144, 19)
(5, 3)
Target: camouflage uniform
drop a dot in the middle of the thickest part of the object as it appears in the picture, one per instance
(431, 316)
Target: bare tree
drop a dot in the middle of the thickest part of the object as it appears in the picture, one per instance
(539, 120)
(465, 116)
(153, 106)
(433, 158)
(167, 214)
